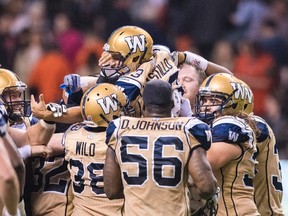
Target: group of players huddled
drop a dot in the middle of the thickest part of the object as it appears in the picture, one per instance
(128, 141)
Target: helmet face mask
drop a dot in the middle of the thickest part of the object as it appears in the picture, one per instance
(219, 94)
(12, 95)
(207, 112)
(108, 71)
(101, 104)
(131, 46)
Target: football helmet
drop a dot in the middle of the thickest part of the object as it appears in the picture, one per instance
(248, 99)
(12, 95)
(102, 103)
(225, 95)
(131, 46)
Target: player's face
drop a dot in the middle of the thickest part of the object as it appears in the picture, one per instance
(210, 104)
(188, 77)
(14, 96)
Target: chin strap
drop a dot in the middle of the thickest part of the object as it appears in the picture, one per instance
(142, 56)
(14, 117)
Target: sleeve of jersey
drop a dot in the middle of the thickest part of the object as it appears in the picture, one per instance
(64, 137)
(111, 133)
(165, 68)
(231, 130)
(74, 99)
(262, 126)
(3, 112)
(201, 132)
(72, 127)
(66, 148)
(130, 86)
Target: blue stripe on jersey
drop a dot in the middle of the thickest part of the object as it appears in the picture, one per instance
(109, 132)
(199, 131)
(229, 133)
(264, 131)
(263, 127)
(129, 88)
(173, 77)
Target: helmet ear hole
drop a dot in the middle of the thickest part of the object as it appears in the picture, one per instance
(135, 59)
(234, 106)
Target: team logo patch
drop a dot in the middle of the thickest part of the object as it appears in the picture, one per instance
(136, 42)
(108, 103)
(243, 92)
(106, 47)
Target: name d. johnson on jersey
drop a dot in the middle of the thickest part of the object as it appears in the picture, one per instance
(151, 125)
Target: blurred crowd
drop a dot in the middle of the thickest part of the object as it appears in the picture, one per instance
(44, 40)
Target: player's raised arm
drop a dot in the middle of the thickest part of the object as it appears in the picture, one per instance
(200, 63)
(55, 112)
(12, 175)
(9, 183)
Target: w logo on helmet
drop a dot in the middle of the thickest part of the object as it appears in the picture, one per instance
(243, 92)
(136, 41)
(108, 103)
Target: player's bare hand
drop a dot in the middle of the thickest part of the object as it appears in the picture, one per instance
(39, 109)
(41, 150)
(107, 59)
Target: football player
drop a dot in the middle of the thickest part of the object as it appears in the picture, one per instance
(190, 79)
(268, 178)
(129, 51)
(11, 166)
(45, 177)
(128, 61)
(85, 150)
(12, 96)
(149, 159)
(232, 151)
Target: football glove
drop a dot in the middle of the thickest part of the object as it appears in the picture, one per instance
(71, 83)
(57, 109)
(211, 206)
(177, 96)
(185, 108)
(129, 110)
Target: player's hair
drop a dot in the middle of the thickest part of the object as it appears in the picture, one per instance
(158, 94)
